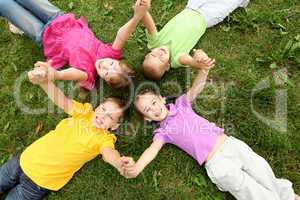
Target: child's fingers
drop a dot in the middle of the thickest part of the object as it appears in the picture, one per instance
(127, 161)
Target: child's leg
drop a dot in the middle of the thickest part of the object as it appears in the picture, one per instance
(42, 9)
(226, 170)
(258, 168)
(216, 11)
(22, 18)
(9, 174)
(26, 189)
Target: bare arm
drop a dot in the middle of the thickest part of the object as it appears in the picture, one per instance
(186, 59)
(112, 157)
(71, 74)
(203, 64)
(149, 24)
(57, 96)
(199, 60)
(198, 85)
(49, 73)
(126, 31)
(149, 154)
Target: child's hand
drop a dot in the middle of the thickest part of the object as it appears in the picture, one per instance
(37, 76)
(202, 60)
(141, 7)
(130, 168)
(46, 67)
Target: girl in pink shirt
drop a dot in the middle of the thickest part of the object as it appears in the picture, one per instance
(69, 41)
(230, 163)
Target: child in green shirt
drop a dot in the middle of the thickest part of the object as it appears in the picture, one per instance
(170, 47)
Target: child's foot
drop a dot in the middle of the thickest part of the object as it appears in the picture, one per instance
(14, 29)
(297, 197)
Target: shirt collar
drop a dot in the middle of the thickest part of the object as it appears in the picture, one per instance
(172, 112)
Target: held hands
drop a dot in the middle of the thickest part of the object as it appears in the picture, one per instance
(202, 61)
(141, 7)
(130, 168)
(42, 73)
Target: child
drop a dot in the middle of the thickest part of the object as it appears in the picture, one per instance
(230, 163)
(170, 46)
(67, 40)
(51, 161)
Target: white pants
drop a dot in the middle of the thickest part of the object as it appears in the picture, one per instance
(235, 168)
(215, 11)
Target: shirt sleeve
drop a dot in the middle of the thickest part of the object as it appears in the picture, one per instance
(108, 140)
(175, 61)
(160, 134)
(108, 51)
(80, 109)
(182, 101)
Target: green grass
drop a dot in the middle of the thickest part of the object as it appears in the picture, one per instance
(244, 45)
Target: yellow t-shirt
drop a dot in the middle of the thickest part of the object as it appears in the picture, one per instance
(52, 160)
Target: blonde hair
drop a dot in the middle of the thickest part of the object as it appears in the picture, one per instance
(123, 79)
(152, 72)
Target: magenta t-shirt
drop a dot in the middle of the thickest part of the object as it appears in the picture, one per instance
(187, 130)
(70, 41)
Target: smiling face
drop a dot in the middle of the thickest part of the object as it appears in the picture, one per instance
(108, 69)
(108, 114)
(156, 63)
(152, 107)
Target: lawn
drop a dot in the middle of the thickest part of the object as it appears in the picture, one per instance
(253, 92)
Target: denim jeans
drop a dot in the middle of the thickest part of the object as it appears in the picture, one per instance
(31, 16)
(18, 185)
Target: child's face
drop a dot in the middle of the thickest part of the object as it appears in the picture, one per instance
(158, 58)
(108, 69)
(152, 107)
(107, 115)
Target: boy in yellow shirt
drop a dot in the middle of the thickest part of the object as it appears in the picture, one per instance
(51, 161)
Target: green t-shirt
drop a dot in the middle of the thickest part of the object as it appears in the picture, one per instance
(180, 34)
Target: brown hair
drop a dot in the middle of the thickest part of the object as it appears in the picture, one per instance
(120, 103)
(123, 79)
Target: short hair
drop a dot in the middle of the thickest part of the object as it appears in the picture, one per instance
(151, 71)
(123, 79)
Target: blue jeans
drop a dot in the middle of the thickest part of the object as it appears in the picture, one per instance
(20, 187)
(31, 16)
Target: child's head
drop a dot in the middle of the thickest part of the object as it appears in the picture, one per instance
(151, 106)
(156, 63)
(109, 114)
(116, 73)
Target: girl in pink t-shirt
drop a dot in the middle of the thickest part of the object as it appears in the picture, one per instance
(69, 41)
(230, 163)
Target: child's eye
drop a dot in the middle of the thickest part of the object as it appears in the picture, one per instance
(111, 63)
(153, 103)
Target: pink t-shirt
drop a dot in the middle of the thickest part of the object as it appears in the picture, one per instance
(70, 41)
(187, 130)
